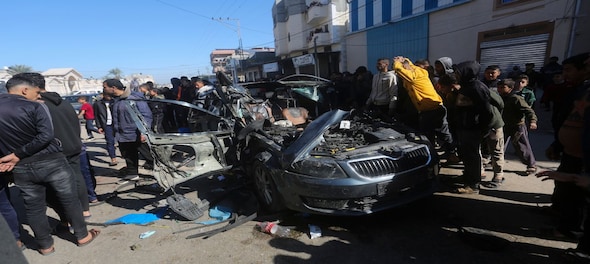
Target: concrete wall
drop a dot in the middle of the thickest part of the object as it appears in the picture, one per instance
(582, 32)
(356, 52)
(454, 31)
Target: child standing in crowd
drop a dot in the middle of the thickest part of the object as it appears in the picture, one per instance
(514, 114)
(87, 112)
(523, 89)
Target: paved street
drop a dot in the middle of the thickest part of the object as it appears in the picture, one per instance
(422, 232)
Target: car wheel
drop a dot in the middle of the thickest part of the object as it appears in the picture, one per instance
(266, 189)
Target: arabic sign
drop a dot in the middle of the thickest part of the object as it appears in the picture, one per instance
(306, 59)
(270, 67)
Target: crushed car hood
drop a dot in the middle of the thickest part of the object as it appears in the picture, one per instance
(311, 137)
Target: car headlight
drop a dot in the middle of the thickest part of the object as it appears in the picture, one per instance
(319, 167)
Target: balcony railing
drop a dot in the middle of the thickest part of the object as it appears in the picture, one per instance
(322, 39)
(317, 13)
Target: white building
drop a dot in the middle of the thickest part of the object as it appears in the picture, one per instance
(303, 27)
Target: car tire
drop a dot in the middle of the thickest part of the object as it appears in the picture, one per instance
(265, 188)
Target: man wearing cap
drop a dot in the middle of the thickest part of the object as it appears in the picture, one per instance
(126, 131)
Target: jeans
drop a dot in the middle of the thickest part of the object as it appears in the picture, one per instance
(434, 124)
(7, 210)
(79, 189)
(88, 175)
(54, 174)
(90, 128)
(109, 136)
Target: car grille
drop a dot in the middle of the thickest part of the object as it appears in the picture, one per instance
(385, 165)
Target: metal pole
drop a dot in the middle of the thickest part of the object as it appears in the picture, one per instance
(315, 53)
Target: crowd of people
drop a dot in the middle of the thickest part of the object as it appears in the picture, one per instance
(473, 119)
(42, 153)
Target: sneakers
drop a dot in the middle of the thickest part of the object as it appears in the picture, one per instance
(90, 139)
(531, 170)
(131, 177)
(128, 178)
(468, 190)
(148, 166)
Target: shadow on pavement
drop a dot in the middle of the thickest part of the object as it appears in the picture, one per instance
(428, 232)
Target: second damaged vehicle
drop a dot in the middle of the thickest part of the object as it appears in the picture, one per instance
(342, 163)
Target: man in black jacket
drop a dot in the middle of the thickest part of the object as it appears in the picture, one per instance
(67, 130)
(103, 110)
(29, 149)
(472, 118)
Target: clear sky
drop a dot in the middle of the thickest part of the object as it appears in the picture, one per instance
(162, 38)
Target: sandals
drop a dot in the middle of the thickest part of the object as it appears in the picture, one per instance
(46, 251)
(531, 170)
(494, 183)
(21, 245)
(93, 233)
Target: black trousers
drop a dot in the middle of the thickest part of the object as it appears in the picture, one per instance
(569, 199)
(434, 124)
(130, 152)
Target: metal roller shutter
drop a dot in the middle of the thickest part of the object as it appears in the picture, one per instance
(515, 51)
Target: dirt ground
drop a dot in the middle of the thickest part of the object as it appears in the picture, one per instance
(427, 231)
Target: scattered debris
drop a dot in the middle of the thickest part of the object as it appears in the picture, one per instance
(146, 234)
(187, 209)
(236, 222)
(314, 231)
(274, 229)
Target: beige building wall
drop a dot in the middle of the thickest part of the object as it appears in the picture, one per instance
(454, 31)
(355, 46)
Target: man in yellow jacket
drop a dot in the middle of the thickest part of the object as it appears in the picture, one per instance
(432, 113)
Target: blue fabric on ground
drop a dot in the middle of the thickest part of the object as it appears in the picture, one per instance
(218, 213)
(138, 219)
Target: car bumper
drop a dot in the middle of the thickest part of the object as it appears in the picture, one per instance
(355, 196)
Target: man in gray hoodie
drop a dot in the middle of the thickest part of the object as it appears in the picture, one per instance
(126, 131)
(442, 66)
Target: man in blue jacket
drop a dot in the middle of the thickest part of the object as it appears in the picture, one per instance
(126, 131)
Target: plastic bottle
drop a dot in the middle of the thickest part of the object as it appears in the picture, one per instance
(274, 229)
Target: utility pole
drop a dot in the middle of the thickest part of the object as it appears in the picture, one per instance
(315, 53)
(240, 47)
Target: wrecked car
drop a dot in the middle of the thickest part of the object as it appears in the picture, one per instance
(314, 93)
(341, 163)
